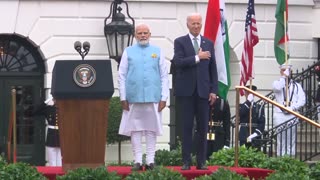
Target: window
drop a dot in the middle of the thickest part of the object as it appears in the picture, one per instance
(16, 55)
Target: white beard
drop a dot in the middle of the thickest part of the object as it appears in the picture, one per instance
(143, 42)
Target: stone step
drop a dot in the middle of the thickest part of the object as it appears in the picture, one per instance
(313, 148)
(308, 147)
(309, 131)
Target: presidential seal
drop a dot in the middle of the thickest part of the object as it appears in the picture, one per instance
(84, 75)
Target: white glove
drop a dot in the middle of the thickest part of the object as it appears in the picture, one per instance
(286, 72)
(49, 102)
(226, 147)
(251, 137)
(250, 98)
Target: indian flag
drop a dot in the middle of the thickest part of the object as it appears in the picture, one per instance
(281, 36)
(216, 29)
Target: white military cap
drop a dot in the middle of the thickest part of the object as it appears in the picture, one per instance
(285, 66)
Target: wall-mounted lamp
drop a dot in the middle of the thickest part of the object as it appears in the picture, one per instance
(119, 33)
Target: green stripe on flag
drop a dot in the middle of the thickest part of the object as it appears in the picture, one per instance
(279, 44)
(224, 88)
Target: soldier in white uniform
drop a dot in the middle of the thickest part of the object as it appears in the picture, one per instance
(144, 89)
(317, 99)
(294, 99)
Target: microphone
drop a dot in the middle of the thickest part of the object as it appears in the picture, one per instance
(77, 46)
(82, 48)
(86, 46)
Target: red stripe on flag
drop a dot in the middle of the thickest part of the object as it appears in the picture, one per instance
(284, 39)
(250, 40)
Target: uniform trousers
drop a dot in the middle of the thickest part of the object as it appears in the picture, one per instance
(286, 140)
(54, 156)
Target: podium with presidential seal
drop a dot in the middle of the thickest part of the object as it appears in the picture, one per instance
(82, 90)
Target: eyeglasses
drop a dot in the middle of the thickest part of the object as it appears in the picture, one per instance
(142, 33)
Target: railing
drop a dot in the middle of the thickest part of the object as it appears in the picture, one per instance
(307, 138)
(308, 133)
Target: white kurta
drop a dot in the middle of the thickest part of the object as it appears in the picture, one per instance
(142, 116)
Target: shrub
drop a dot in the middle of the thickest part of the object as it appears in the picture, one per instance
(280, 175)
(99, 173)
(18, 171)
(123, 163)
(222, 173)
(315, 171)
(171, 158)
(287, 165)
(3, 162)
(114, 119)
(248, 157)
(158, 172)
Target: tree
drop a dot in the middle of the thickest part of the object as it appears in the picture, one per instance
(114, 119)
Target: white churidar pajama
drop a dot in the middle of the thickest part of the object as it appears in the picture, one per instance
(137, 149)
(142, 118)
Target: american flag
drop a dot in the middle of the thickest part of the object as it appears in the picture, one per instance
(250, 40)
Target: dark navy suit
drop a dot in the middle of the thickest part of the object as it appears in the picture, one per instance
(193, 83)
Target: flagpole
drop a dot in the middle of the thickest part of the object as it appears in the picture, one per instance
(250, 114)
(14, 126)
(286, 55)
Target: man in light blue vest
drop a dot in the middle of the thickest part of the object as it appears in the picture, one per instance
(144, 89)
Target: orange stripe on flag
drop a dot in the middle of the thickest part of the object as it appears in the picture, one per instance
(212, 20)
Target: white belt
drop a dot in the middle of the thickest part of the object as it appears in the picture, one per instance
(52, 127)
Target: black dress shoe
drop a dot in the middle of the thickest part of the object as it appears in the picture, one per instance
(185, 166)
(136, 167)
(202, 167)
(149, 167)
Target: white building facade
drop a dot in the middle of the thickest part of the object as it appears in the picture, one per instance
(54, 25)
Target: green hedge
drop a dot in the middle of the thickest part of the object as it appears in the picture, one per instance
(315, 171)
(248, 157)
(222, 173)
(19, 171)
(3, 162)
(158, 173)
(99, 173)
(285, 168)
